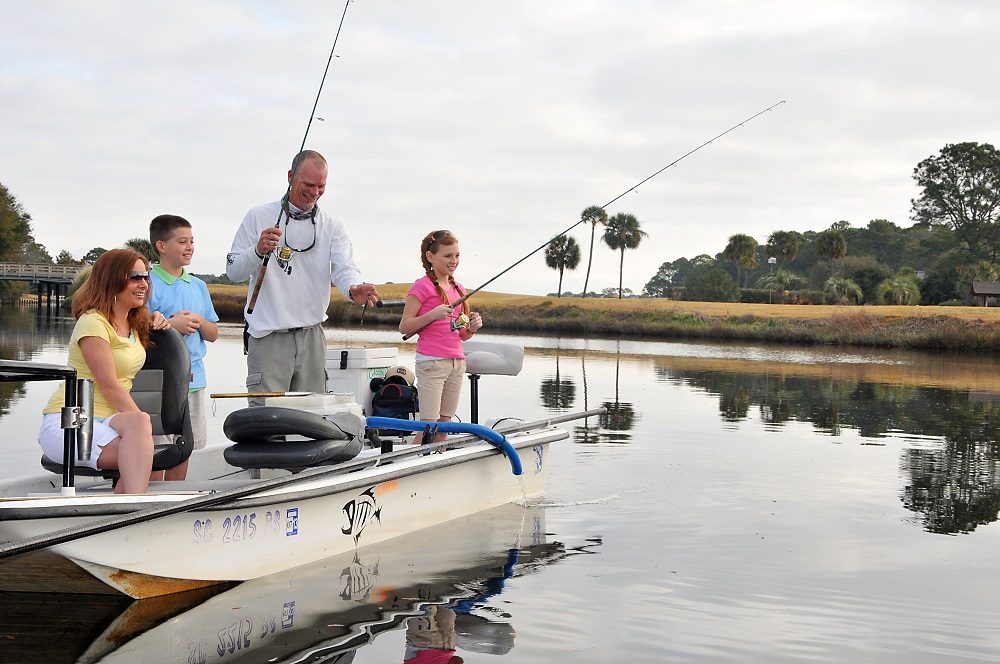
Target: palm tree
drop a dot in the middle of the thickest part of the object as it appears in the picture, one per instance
(831, 245)
(978, 271)
(742, 250)
(143, 246)
(784, 245)
(563, 253)
(595, 215)
(898, 289)
(622, 232)
(841, 290)
(781, 280)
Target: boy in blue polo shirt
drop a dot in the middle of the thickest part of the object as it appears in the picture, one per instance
(184, 300)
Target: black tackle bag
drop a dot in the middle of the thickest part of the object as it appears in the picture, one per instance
(392, 399)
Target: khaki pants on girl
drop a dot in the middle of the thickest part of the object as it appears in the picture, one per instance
(439, 384)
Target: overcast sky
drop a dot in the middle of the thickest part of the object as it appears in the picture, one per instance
(498, 120)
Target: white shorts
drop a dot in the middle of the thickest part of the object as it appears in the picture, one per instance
(199, 425)
(50, 437)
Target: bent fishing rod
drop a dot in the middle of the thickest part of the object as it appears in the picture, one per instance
(486, 283)
(295, 166)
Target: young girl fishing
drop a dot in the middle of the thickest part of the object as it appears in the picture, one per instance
(442, 328)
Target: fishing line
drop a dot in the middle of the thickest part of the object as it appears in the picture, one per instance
(295, 165)
(486, 283)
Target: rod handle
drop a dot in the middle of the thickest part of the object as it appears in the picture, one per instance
(245, 395)
(257, 285)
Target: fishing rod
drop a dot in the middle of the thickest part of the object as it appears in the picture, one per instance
(472, 292)
(295, 166)
(380, 304)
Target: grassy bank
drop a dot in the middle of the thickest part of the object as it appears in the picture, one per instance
(974, 329)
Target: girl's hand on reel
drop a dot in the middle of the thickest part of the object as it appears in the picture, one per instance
(441, 312)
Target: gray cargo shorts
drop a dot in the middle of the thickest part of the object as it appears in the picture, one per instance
(291, 360)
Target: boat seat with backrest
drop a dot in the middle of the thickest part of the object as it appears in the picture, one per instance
(161, 390)
(489, 358)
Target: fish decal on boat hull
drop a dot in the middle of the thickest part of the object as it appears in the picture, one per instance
(360, 512)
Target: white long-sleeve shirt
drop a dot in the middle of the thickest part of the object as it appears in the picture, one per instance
(295, 293)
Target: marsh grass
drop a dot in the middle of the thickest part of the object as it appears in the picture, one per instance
(974, 329)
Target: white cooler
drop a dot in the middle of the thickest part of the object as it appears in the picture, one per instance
(352, 370)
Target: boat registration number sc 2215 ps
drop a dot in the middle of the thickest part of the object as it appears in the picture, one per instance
(243, 527)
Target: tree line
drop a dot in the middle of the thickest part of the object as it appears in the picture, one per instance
(954, 240)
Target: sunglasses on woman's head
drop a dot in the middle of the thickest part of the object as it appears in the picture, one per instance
(139, 276)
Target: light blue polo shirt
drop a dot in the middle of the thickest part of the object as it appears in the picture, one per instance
(171, 294)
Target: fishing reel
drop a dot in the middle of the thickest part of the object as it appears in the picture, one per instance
(459, 323)
(284, 256)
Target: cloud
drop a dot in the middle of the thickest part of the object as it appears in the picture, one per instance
(501, 121)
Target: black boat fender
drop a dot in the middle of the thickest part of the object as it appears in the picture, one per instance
(262, 436)
(272, 423)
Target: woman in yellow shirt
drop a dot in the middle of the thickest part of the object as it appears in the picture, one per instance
(109, 345)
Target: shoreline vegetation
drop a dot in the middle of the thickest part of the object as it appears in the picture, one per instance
(963, 329)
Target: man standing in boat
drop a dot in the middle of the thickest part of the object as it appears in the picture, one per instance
(308, 250)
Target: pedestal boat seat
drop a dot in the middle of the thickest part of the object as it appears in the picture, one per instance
(161, 390)
(489, 358)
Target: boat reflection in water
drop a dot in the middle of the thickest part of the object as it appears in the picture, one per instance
(432, 578)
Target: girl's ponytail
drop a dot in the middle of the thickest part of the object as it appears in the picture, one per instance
(461, 291)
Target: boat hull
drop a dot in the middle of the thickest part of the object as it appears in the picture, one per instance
(317, 612)
(295, 525)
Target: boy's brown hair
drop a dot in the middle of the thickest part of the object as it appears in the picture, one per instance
(163, 227)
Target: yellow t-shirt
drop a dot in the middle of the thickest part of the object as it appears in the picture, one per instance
(128, 356)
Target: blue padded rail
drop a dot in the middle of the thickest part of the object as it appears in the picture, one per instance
(489, 435)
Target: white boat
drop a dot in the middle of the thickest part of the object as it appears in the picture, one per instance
(245, 523)
(334, 606)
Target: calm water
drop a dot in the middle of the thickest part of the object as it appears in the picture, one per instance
(737, 503)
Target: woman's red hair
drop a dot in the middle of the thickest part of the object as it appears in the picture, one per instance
(107, 278)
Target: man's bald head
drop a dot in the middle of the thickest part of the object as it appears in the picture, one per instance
(308, 155)
(307, 179)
